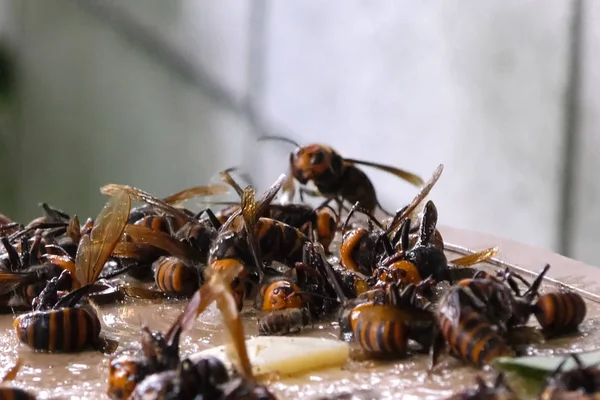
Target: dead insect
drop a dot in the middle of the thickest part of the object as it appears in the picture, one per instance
(581, 382)
(362, 249)
(207, 378)
(474, 317)
(252, 239)
(70, 323)
(283, 321)
(159, 352)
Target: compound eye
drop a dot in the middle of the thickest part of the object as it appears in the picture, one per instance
(317, 158)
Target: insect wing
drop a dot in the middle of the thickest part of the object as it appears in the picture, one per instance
(476, 258)
(138, 194)
(198, 191)
(399, 218)
(160, 240)
(407, 176)
(94, 249)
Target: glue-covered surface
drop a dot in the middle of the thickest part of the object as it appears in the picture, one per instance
(84, 375)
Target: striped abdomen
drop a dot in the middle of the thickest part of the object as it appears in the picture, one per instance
(282, 322)
(63, 330)
(174, 277)
(560, 313)
(473, 339)
(7, 393)
(279, 241)
(379, 329)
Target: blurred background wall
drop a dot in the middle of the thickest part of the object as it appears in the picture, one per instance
(164, 94)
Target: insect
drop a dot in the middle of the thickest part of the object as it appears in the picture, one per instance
(337, 177)
(69, 323)
(283, 321)
(499, 390)
(581, 382)
(12, 393)
(559, 313)
(361, 249)
(413, 263)
(280, 294)
(300, 216)
(174, 200)
(382, 326)
(178, 273)
(22, 279)
(159, 352)
(145, 242)
(474, 316)
(252, 239)
(293, 304)
(207, 377)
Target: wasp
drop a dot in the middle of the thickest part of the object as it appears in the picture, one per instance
(301, 216)
(207, 377)
(177, 274)
(559, 313)
(13, 393)
(283, 321)
(70, 323)
(499, 390)
(425, 258)
(187, 248)
(382, 325)
(290, 305)
(159, 353)
(252, 239)
(139, 249)
(65, 235)
(474, 316)
(156, 207)
(21, 281)
(362, 249)
(580, 382)
(337, 177)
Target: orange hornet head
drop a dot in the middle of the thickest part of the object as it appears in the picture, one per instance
(310, 162)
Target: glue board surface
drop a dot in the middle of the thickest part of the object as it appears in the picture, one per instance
(286, 356)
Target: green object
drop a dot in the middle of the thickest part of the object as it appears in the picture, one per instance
(539, 367)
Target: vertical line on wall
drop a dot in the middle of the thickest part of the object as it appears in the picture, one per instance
(570, 132)
(257, 42)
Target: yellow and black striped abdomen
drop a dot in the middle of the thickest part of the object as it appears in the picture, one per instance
(7, 393)
(380, 330)
(279, 241)
(174, 277)
(473, 339)
(560, 313)
(64, 330)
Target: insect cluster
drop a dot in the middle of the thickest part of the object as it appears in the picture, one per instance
(389, 285)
